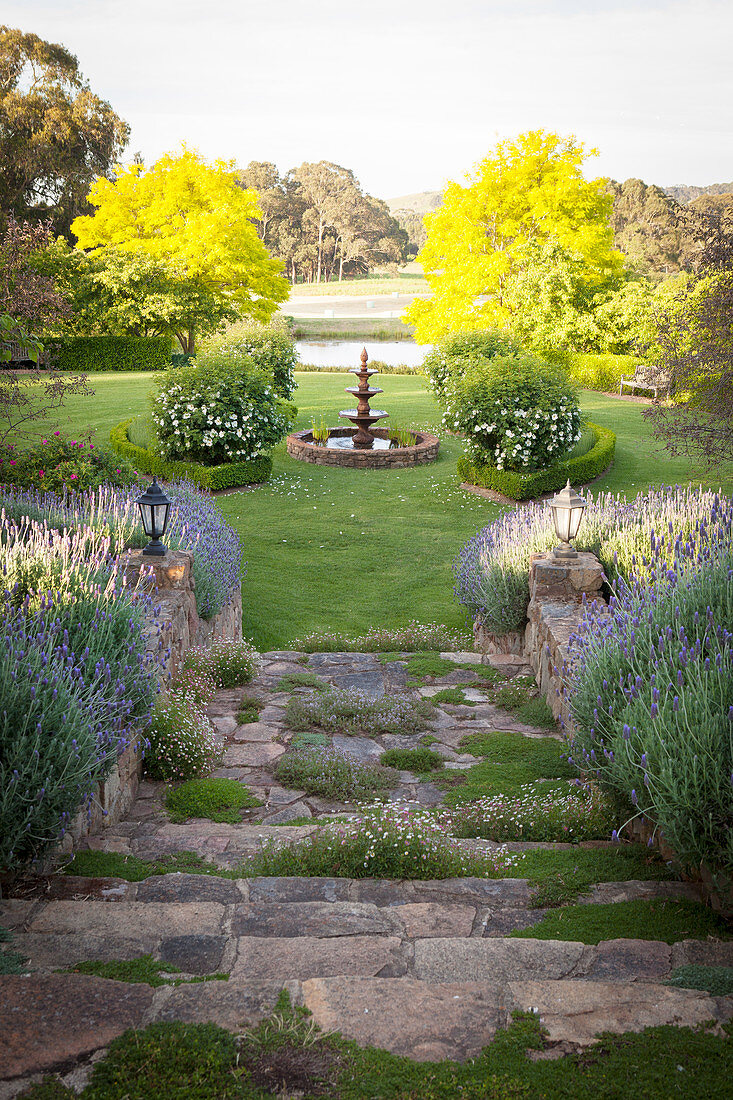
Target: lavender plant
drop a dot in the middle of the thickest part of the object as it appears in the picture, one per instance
(492, 569)
(351, 711)
(332, 774)
(74, 679)
(652, 692)
(196, 524)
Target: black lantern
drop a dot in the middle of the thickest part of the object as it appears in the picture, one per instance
(154, 510)
(567, 512)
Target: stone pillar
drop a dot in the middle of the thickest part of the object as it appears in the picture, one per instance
(557, 590)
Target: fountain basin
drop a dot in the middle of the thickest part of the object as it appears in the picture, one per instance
(300, 445)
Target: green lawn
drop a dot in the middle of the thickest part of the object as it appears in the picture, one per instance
(338, 549)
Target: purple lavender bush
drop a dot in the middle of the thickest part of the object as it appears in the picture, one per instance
(492, 569)
(75, 680)
(196, 524)
(651, 694)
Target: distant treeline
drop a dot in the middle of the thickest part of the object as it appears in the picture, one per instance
(651, 224)
(321, 224)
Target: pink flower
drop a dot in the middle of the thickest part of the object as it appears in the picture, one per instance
(73, 476)
(44, 441)
(57, 433)
(12, 463)
(40, 473)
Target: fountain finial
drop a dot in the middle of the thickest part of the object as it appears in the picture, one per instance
(364, 356)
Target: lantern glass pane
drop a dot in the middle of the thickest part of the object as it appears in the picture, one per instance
(576, 514)
(146, 512)
(158, 511)
(562, 523)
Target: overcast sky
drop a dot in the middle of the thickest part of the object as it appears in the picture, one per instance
(410, 93)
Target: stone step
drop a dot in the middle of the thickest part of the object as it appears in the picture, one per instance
(50, 1021)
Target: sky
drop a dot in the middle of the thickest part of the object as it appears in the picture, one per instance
(410, 94)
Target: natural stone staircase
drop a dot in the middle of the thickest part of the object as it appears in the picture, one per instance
(419, 968)
(422, 968)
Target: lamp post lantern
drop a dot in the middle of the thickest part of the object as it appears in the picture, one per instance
(567, 512)
(154, 511)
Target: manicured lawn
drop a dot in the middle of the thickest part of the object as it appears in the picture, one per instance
(337, 549)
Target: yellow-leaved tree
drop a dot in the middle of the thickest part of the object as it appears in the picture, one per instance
(526, 219)
(195, 220)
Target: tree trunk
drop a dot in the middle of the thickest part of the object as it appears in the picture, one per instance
(320, 247)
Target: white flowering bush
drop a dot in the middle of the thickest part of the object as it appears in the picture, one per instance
(228, 662)
(182, 743)
(220, 408)
(516, 412)
(270, 346)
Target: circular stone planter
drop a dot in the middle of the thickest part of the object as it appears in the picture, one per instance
(300, 445)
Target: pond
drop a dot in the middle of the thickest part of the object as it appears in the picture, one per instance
(345, 353)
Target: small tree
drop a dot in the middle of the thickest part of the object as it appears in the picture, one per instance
(695, 344)
(194, 220)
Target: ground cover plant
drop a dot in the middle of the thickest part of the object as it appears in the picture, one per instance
(324, 771)
(716, 980)
(287, 1054)
(513, 769)
(391, 841)
(652, 693)
(666, 920)
(249, 710)
(296, 681)
(11, 962)
(143, 969)
(89, 863)
(453, 696)
(412, 760)
(215, 799)
(350, 711)
(75, 679)
(396, 640)
(575, 814)
(560, 875)
(317, 516)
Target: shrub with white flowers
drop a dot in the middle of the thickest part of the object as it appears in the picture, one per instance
(219, 408)
(517, 412)
(453, 355)
(270, 346)
(182, 743)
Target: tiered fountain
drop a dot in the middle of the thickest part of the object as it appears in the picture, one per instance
(362, 415)
(363, 446)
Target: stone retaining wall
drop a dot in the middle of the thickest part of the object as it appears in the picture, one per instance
(173, 626)
(301, 447)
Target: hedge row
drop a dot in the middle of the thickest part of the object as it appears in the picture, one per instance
(87, 354)
(520, 485)
(206, 477)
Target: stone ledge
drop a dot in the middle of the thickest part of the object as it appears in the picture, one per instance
(425, 450)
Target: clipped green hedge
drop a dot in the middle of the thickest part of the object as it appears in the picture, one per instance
(206, 477)
(524, 485)
(86, 354)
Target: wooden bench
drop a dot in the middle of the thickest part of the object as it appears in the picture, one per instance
(640, 381)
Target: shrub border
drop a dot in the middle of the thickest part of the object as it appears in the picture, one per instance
(88, 354)
(523, 486)
(206, 477)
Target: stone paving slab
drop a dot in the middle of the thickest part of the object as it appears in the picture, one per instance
(52, 950)
(252, 755)
(48, 1021)
(234, 1005)
(305, 957)
(131, 919)
(313, 918)
(425, 1022)
(577, 1012)
(487, 960)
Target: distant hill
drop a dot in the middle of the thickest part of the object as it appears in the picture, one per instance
(421, 203)
(685, 192)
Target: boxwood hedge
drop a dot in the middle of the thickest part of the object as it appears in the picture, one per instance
(526, 484)
(206, 477)
(86, 354)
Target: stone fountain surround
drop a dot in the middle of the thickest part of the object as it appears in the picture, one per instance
(300, 445)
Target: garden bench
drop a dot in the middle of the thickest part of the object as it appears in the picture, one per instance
(640, 381)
